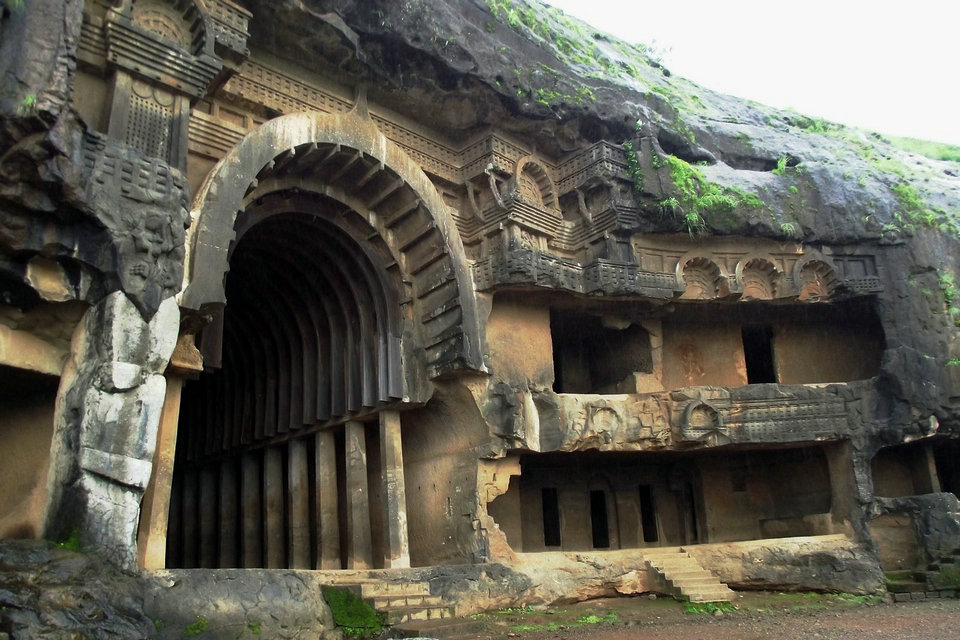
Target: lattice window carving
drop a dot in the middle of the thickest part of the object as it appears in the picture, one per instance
(150, 120)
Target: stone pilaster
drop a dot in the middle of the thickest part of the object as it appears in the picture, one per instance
(397, 551)
(359, 545)
(108, 411)
(327, 507)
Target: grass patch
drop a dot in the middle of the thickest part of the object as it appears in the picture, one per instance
(696, 197)
(351, 613)
(72, 543)
(927, 148)
(197, 627)
(708, 608)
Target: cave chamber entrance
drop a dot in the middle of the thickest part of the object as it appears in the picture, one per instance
(279, 461)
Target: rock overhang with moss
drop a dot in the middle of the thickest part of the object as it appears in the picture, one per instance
(556, 83)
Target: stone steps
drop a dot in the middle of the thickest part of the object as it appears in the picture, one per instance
(941, 574)
(685, 578)
(402, 601)
(444, 629)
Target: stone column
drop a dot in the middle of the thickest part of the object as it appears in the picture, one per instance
(191, 532)
(273, 533)
(359, 547)
(925, 478)
(327, 509)
(229, 513)
(298, 489)
(844, 506)
(251, 512)
(397, 548)
(209, 532)
(155, 508)
(108, 411)
(185, 362)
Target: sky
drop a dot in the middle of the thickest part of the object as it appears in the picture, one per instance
(884, 66)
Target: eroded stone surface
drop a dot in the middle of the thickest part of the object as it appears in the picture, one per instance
(111, 396)
(47, 592)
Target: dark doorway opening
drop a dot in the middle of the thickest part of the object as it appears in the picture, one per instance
(598, 519)
(758, 353)
(947, 459)
(551, 517)
(648, 514)
(594, 356)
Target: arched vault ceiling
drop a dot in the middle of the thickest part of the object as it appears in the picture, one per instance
(344, 158)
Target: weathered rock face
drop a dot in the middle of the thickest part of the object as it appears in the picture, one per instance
(533, 71)
(935, 521)
(67, 194)
(47, 592)
(794, 564)
(238, 604)
(111, 395)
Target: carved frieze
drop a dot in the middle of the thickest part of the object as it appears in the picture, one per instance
(142, 203)
(771, 413)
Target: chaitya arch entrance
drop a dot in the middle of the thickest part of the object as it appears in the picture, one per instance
(337, 293)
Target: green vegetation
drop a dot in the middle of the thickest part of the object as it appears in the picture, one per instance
(72, 543)
(254, 627)
(815, 125)
(633, 168)
(697, 197)
(933, 150)
(27, 105)
(790, 229)
(951, 296)
(351, 613)
(519, 619)
(781, 167)
(948, 577)
(574, 42)
(914, 213)
(197, 627)
(708, 608)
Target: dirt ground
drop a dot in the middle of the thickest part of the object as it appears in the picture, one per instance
(753, 616)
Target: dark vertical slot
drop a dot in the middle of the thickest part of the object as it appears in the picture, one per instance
(551, 517)
(598, 519)
(758, 353)
(340, 442)
(692, 514)
(648, 514)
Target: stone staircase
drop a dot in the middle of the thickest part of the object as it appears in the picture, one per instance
(401, 602)
(684, 578)
(940, 578)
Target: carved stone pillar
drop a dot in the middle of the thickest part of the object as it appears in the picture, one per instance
(327, 507)
(397, 548)
(359, 545)
(209, 531)
(108, 410)
(298, 490)
(229, 511)
(273, 504)
(155, 508)
(251, 536)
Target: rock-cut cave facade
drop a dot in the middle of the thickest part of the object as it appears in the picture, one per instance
(253, 318)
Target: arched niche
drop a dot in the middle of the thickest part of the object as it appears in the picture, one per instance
(816, 281)
(344, 158)
(185, 23)
(535, 185)
(759, 278)
(701, 279)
